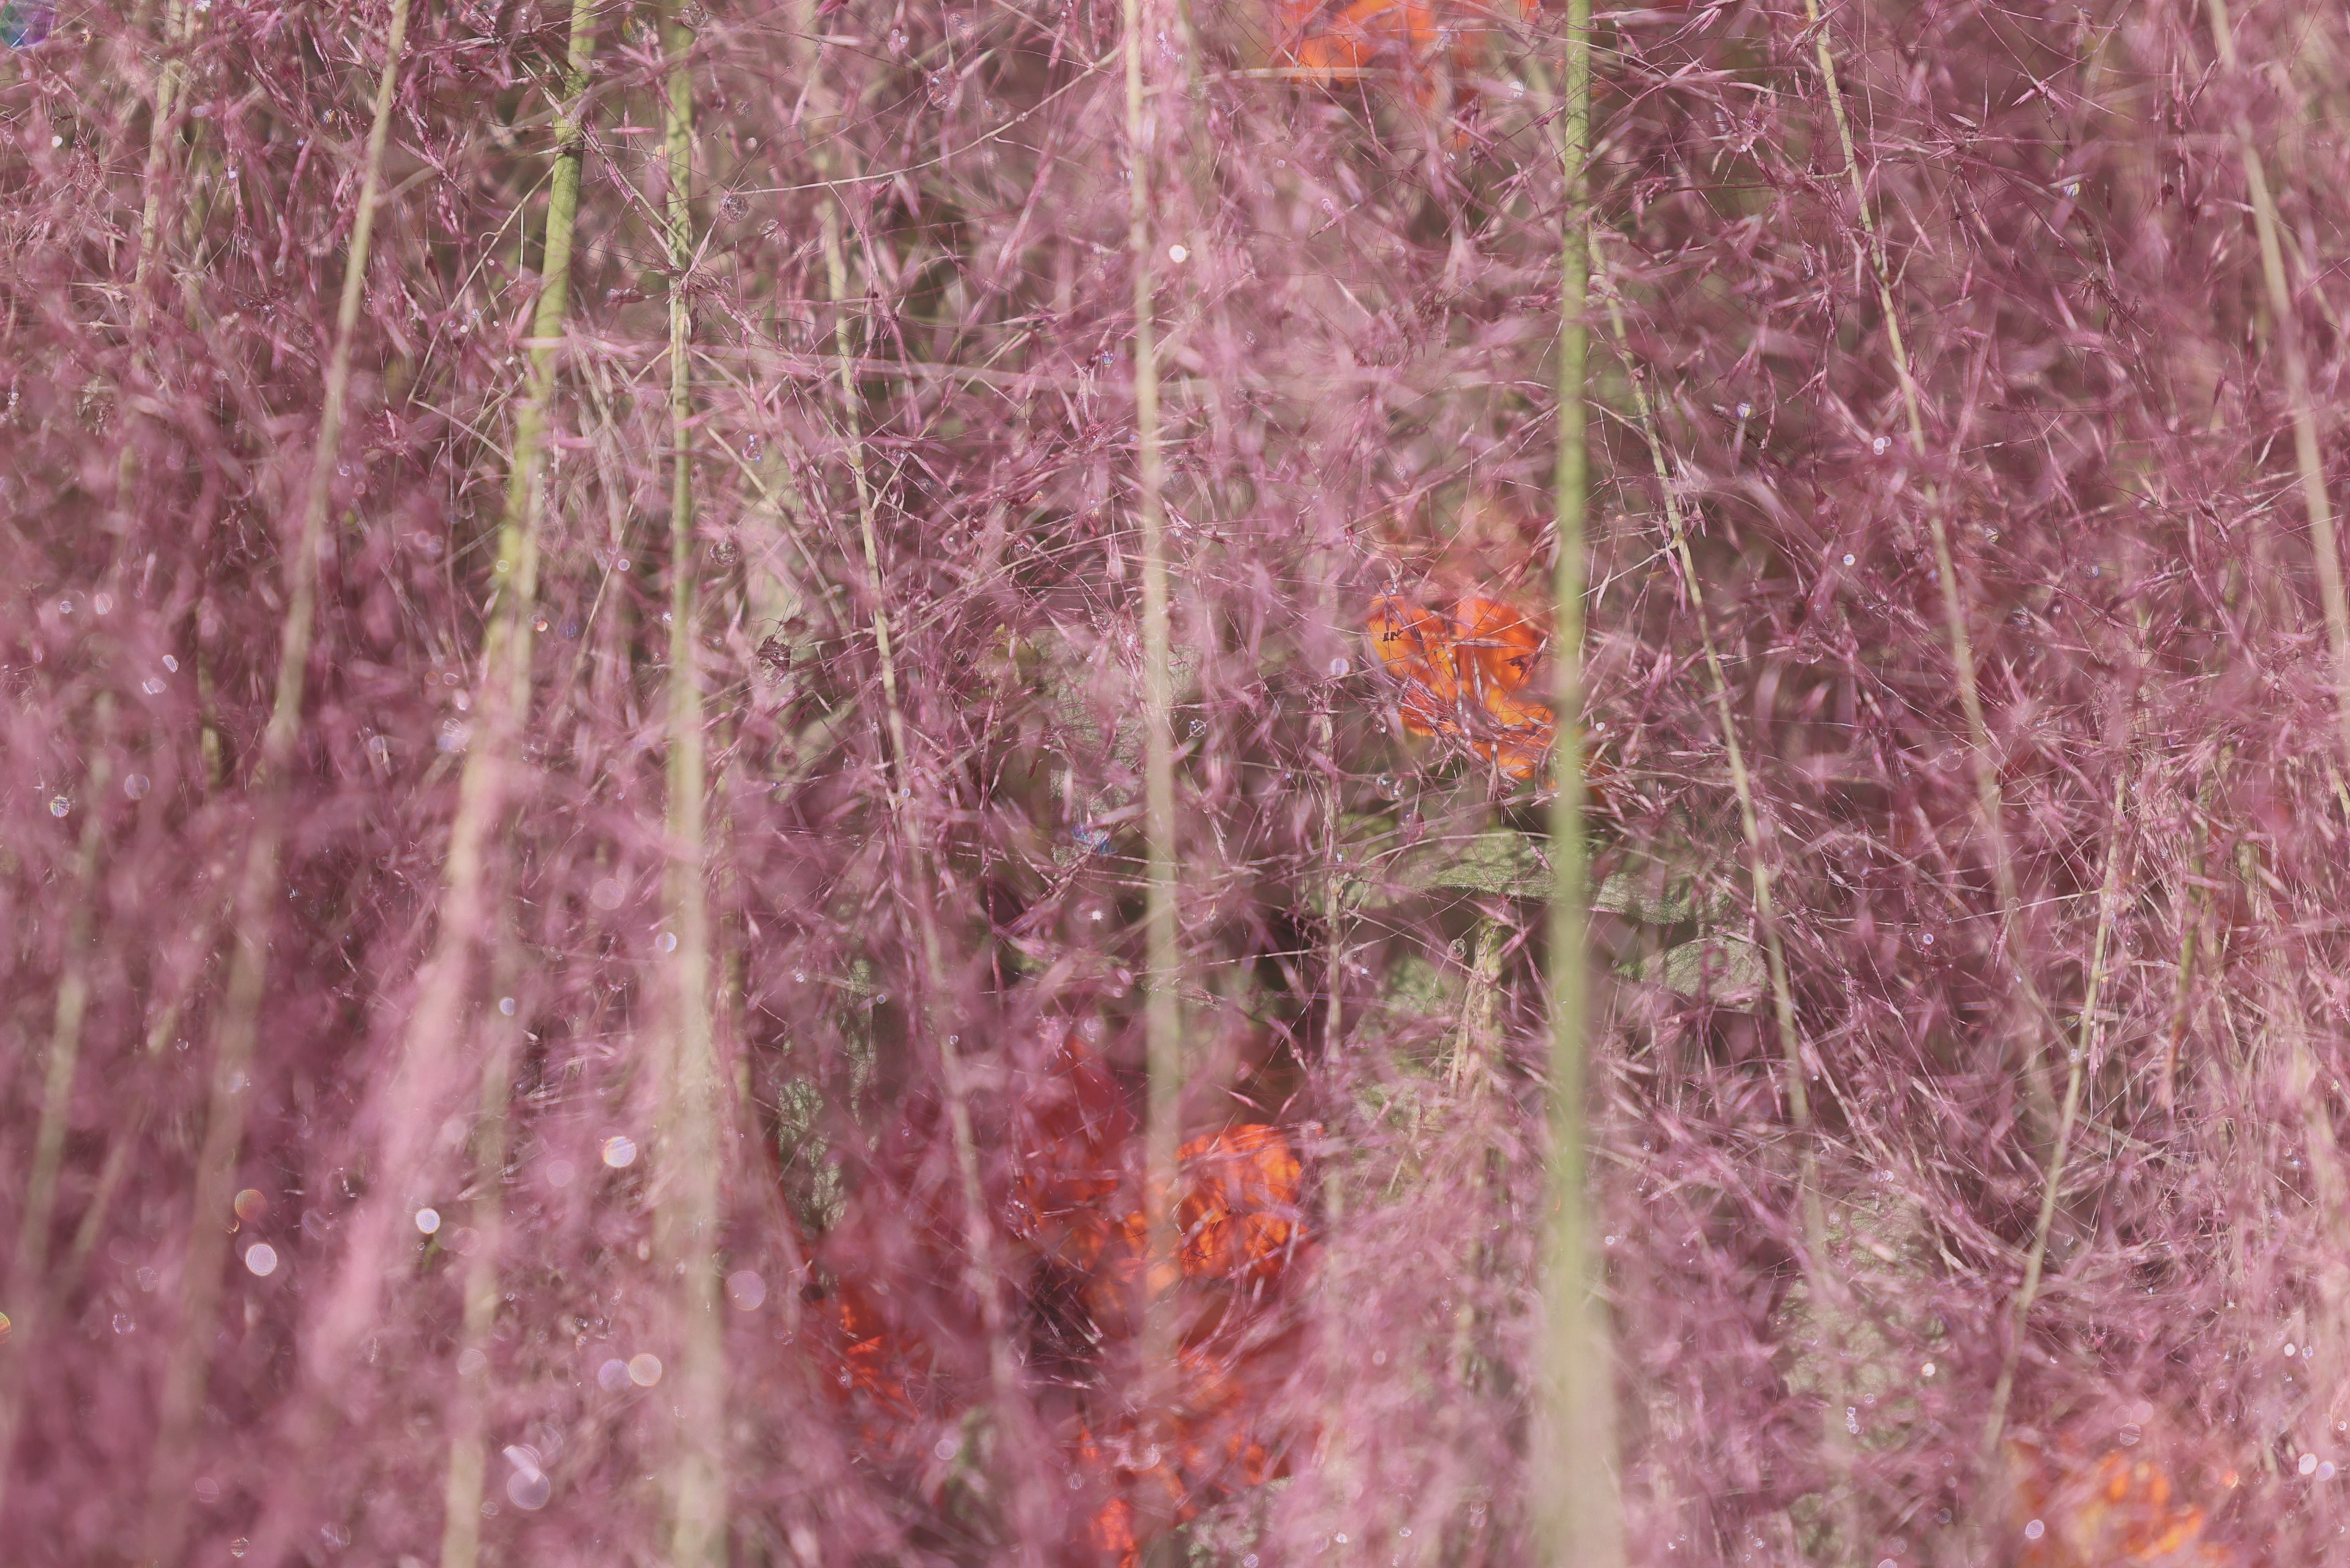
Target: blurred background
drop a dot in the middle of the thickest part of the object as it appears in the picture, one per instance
(576, 847)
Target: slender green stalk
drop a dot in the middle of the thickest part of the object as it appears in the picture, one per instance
(685, 1223)
(1579, 1507)
(1162, 1005)
(29, 1272)
(518, 539)
(1826, 1297)
(2283, 327)
(1982, 758)
(985, 1275)
(258, 899)
(460, 1518)
(2091, 1030)
(177, 27)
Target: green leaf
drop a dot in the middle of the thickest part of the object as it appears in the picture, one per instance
(1724, 970)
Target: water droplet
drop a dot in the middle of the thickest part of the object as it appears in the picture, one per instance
(2325, 1470)
(666, 941)
(471, 1362)
(1927, 1370)
(896, 40)
(262, 1259)
(644, 1369)
(946, 1448)
(506, 1005)
(1338, 666)
(2034, 1530)
(428, 1220)
(60, 805)
(1848, 559)
(170, 664)
(239, 1547)
(1179, 255)
(746, 1290)
(2308, 1465)
(103, 604)
(619, 1151)
(123, 1323)
(251, 1205)
(527, 1487)
(607, 894)
(612, 1376)
(1878, 445)
(1745, 410)
(560, 1173)
(1928, 938)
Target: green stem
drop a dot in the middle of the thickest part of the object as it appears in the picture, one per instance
(2052, 1180)
(1579, 1507)
(1982, 757)
(28, 1274)
(1162, 1005)
(257, 898)
(685, 1228)
(1820, 1286)
(2284, 327)
(507, 641)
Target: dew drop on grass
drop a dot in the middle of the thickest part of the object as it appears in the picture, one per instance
(746, 1290)
(261, 1259)
(644, 1369)
(619, 1151)
(527, 1487)
(428, 1220)
(612, 1376)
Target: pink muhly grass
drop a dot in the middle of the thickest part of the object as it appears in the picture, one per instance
(659, 1044)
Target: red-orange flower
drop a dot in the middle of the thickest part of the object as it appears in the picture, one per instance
(1465, 677)
(2122, 1508)
(1412, 36)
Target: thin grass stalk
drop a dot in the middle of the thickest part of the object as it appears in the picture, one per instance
(1162, 1005)
(1579, 1512)
(257, 898)
(36, 1294)
(1982, 758)
(2190, 936)
(126, 1142)
(984, 1275)
(2284, 330)
(177, 29)
(2090, 1029)
(685, 1222)
(1827, 1297)
(430, 1051)
(461, 1520)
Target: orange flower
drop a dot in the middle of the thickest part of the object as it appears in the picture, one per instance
(2122, 1509)
(1465, 676)
(1413, 37)
(1238, 1204)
